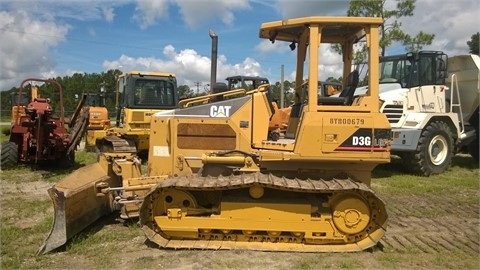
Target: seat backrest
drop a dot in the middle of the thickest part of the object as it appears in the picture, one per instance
(292, 126)
(219, 87)
(352, 84)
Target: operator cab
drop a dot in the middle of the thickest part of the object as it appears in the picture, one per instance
(144, 93)
(140, 91)
(24, 99)
(245, 82)
(95, 100)
(414, 69)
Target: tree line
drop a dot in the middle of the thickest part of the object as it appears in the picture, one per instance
(75, 85)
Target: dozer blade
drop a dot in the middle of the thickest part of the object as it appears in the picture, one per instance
(77, 204)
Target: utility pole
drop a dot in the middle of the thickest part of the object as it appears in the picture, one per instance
(282, 88)
(197, 84)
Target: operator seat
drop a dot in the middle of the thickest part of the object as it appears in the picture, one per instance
(219, 87)
(346, 96)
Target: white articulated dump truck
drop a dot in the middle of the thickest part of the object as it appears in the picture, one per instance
(431, 102)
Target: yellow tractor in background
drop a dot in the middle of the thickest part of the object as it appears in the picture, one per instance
(215, 180)
(18, 104)
(245, 82)
(139, 95)
(99, 121)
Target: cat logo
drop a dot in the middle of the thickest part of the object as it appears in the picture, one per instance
(220, 111)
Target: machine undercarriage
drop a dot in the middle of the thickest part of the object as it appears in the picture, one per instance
(263, 212)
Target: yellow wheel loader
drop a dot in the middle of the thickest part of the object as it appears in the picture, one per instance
(215, 180)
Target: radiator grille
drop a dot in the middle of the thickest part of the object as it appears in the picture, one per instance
(393, 112)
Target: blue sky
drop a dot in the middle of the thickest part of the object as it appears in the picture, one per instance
(48, 38)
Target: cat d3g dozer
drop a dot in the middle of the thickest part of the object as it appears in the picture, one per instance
(215, 180)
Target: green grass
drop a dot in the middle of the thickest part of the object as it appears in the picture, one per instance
(4, 133)
(23, 209)
(25, 221)
(22, 229)
(306, 265)
(390, 179)
(85, 158)
(21, 174)
(102, 239)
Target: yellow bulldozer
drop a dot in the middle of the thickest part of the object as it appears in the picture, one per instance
(139, 95)
(215, 180)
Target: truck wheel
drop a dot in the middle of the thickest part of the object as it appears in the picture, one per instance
(434, 150)
(9, 154)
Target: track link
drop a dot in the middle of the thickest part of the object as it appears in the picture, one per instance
(116, 144)
(211, 234)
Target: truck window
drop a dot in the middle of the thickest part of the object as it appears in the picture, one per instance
(427, 74)
(23, 101)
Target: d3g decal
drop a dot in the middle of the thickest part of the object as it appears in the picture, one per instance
(362, 140)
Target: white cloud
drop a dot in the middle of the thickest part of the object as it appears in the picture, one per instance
(452, 22)
(330, 63)
(194, 13)
(266, 46)
(189, 66)
(300, 8)
(148, 12)
(108, 14)
(24, 50)
(77, 10)
(198, 12)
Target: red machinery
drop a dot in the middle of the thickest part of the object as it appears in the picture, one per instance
(40, 137)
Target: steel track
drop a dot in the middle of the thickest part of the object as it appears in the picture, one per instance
(369, 238)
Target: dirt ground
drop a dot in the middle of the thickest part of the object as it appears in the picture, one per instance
(424, 232)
